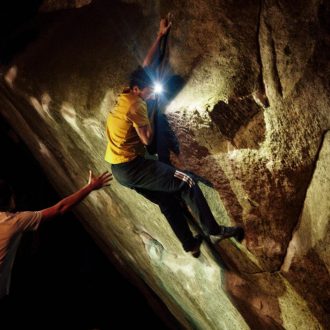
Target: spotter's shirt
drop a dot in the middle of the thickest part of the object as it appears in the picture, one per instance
(12, 225)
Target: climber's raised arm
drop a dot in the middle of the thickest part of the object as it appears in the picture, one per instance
(164, 28)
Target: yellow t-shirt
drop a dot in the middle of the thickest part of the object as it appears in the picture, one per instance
(124, 143)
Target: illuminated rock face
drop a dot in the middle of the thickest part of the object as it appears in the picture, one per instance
(269, 164)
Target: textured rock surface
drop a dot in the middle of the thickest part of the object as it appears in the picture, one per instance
(261, 160)
(307, 262)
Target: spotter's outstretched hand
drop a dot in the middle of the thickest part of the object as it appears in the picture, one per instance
(98, 182)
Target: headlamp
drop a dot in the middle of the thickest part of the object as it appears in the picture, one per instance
(158, 88)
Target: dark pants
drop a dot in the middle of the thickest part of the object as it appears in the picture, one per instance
(168, 187)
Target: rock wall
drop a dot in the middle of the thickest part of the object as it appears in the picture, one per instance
(250, 117)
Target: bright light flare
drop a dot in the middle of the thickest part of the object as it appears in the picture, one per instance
(158, 88)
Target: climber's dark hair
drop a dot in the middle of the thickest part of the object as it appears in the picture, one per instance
(141, 78)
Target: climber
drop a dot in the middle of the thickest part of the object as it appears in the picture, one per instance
(129, 131)
(12, 225)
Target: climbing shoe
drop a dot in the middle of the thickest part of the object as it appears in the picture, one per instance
(195, 250)
(227, 232)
